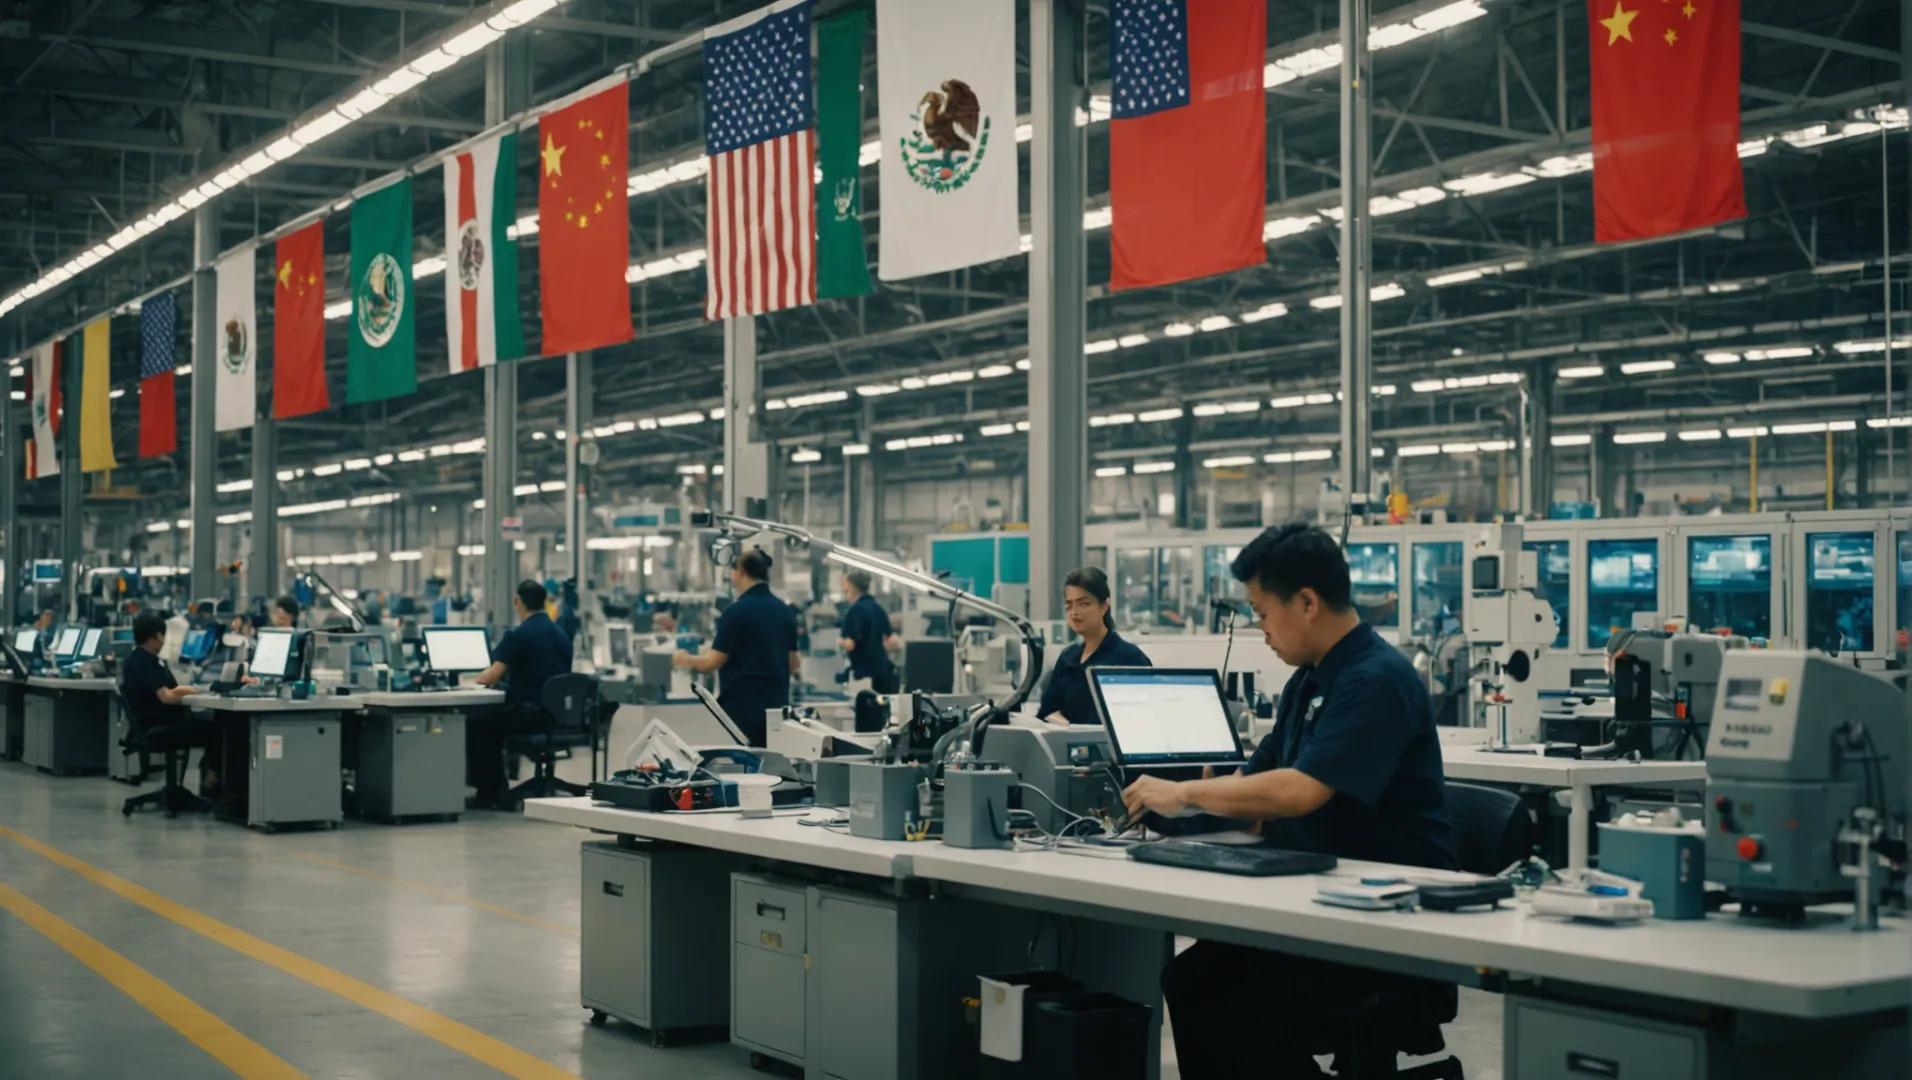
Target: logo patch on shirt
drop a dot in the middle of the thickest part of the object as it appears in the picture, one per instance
(1308, 717)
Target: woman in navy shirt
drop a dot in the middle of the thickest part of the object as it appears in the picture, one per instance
(1085, 600)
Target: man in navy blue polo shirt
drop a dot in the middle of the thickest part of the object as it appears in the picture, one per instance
(754, 647)
(866, 634)
(1352, 768)
(531, 654)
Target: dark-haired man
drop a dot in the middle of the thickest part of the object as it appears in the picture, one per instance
(531, 654)
(755, 647)
(1352, 768)
(154, 700)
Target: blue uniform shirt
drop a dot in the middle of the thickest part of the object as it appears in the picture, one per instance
(533, 652)
(758, 632)
(1361, 723)
(867, 624)
(1068, 690)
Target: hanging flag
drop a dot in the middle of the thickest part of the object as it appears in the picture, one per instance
(584, 222)
(1665, 117)
(843, 263)
(759, 135)
(158, 413)
(382, 361)
(947, 104)
(96, 397)
(1187, 139)
(236, 341)
(298, 324)
(481, 262)
(43, 394)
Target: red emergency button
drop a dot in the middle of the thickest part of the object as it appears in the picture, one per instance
(1749, 848)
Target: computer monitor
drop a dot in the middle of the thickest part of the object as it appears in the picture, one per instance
(46, 571)
(620, 645)
(272, 655)
(717, 711)
(90, 643)
(1165, 716)
(198, 645)
(929, 666)
(455, 649)
(25, 640)
(67, 643)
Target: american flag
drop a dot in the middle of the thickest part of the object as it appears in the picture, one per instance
(760, 135)
(158, 413)
(1151, 57)
(158, 317)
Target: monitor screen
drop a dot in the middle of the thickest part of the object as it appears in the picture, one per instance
(453, 649)
(272, 656)
(929, 666)
(67, 642)
(620, 646)
(90, 643)
(198, 645)
(24, 640)
(45, 570)
(1165, 716)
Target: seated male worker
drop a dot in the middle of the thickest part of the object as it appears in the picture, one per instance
(1352, 768)
(530, 655)
(154, 699)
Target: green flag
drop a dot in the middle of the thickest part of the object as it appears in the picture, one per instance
(843, 269)
(383, 359)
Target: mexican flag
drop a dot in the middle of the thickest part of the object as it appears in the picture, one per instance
(382, 358)
(481, 262)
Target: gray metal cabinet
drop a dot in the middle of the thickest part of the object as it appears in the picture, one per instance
(411, 763)
(65, 731)
(649, 935)
(294, 770)
(863, 983)
(13, 719)
(1548, 1040)
(121, 764)
(768, 959)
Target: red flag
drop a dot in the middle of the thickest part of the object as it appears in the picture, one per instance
(1665, 116)
(584, 224)
(298, 324)
(1187, 139)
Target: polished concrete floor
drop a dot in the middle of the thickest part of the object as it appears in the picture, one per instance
(322, 950)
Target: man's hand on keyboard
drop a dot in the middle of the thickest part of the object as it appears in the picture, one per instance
(1152, 793)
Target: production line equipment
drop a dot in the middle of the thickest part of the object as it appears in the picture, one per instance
(1508, 627)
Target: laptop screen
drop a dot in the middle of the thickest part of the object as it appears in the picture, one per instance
(1165, 716)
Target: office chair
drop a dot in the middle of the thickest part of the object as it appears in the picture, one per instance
(566, 717)
(1492, 830)
(176, 745)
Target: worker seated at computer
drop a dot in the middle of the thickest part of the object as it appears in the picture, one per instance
(531, 654)
(1352, 769)
(155, 701)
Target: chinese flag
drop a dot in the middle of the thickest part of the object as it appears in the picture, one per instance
(298, 324)
(1665, 116)
(584, 225)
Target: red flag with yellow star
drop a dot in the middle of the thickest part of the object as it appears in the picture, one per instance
(1665, 116)
(584, 224)
(298, 324)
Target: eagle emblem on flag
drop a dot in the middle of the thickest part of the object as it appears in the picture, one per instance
(238, 348)
(950, 137)
(380, 299)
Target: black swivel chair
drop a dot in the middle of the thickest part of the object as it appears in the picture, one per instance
(175, 745)
(565, 719)
(1492, 830)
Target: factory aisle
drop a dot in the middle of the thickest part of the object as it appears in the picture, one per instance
(362, 954)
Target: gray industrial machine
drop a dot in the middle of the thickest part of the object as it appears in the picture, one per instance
(1067, 764)
(1804, 791)
(1660, 680)
(1508, 627)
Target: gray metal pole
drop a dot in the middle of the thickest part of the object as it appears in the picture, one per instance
(204, 438)
(746, 460)
(262, 569)
(507, 92)
(1357, 244)
(1058, 368)
(13, 456)
(577, 414)
(72, 483)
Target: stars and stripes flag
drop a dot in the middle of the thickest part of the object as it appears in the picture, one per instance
(760, 134)
(158, 415)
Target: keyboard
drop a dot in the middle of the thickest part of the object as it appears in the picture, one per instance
(1220, 859)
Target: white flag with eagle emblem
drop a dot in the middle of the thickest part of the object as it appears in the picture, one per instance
(946, 76)
(481, 261)
(235, 341)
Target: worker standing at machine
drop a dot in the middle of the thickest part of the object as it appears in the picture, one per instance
(1085, 602)
(866, 634)
(755, 647)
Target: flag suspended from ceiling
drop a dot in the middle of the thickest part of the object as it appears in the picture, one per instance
(1665, 116)
(584, 223)
(843, 261)
(43, 396)
(235, 341)
(481, 260)
(158, 408)
(1187, 139)
(96, 397)
(382, 359)
(298, 324)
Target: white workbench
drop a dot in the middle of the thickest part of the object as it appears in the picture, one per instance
(462, 698)
(1818, 972)
(217, 703)
(56, 682)
(1577, 776)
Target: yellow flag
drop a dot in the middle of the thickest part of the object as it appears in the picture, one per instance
(96, 388)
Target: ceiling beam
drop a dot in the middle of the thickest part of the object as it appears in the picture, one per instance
(102, 137)
(197, 42)
(1800, 37)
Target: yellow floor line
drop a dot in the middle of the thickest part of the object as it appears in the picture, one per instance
(244, 1057)
(435, 891)
(469, 1041)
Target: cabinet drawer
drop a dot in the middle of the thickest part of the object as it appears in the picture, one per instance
(767, 1000)
(767, 916)
(1549, 1041)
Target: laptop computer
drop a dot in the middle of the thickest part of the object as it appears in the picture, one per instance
(1169, 722)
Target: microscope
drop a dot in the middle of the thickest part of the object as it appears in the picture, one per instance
(1508, 627)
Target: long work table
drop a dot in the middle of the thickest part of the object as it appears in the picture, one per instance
(1730, 996)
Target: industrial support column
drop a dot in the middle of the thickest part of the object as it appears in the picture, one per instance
(507, 93)
(1357, 248)
(1058, 368)
(262, 562)
(204, 436)
(577, 414)
(746, 461)
(72, 482)
(1537, 463)
(13, 456)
